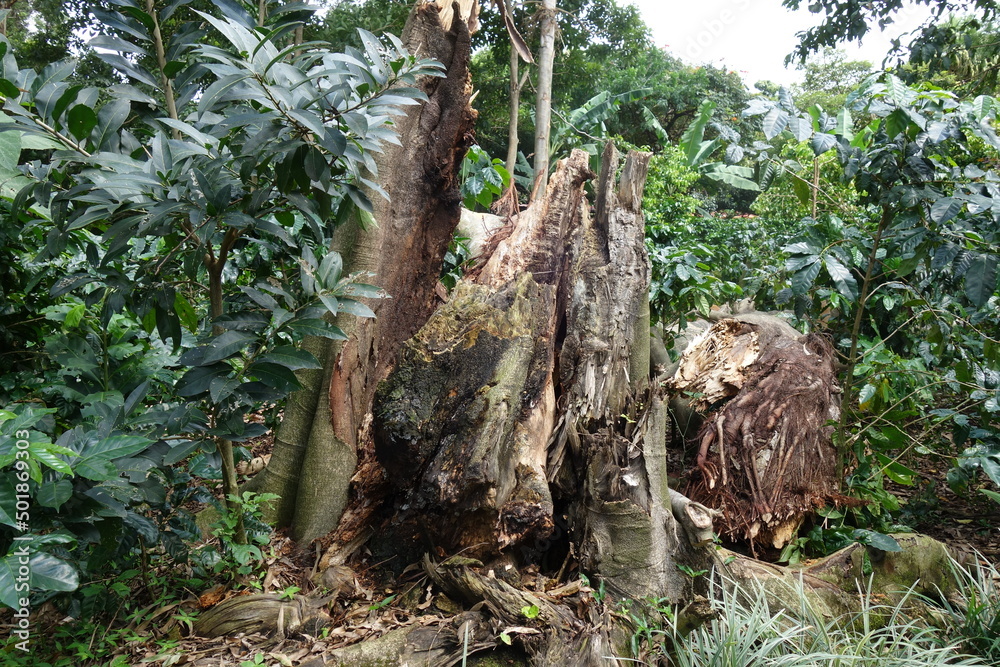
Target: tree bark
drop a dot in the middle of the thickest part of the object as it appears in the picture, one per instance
(327, 425)
(543, 94)
(529, 390)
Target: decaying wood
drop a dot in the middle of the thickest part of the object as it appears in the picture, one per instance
(462, 424)
(765, 457)
(468, 427)
(267, 613)
(567, 631)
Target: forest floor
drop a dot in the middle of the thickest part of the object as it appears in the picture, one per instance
(371, 602)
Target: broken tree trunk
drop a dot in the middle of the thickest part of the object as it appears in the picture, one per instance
(765, 455)
(326, 424)
(529, 390)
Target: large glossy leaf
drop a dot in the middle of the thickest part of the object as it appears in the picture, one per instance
(878, 540)
(822, 142)
(317, 327)
(695, 132)
(801, 128)
(291, 358)
(775, 121)
(804, 278)
(274, 375)
(981, 279)
(945, 209)
(47, 573)
(226, 345)
(842, 278)
(54, 494)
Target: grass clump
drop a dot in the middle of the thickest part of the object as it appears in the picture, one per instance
(747, 630)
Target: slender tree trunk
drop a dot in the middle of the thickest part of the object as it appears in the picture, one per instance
(515, 102)
(543, 104)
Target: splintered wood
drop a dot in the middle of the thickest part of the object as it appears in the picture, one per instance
(715, 363)
(766, 458)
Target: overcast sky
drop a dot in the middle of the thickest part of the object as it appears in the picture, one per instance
(751, 36)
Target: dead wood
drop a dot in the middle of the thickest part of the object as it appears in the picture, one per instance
(569, 631)
(462, 424)
(267, 613)
(468, 427)
(765, 457)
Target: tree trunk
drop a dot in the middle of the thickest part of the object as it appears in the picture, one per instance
(543, 94)
(326, 425)
(529, 391)
(515, 109)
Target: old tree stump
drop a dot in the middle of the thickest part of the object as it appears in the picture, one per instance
(521, 421)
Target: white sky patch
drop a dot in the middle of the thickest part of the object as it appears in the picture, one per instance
(753, 37)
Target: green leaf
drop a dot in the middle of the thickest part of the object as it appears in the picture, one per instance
(801, 128)
(847, 286)
(874, 539)
(74, 316)
(896, 471)
(845, 124)
(49, 573)
(804, 278)
(110, 119)
(221, 388)
(354, 308)
(866, 394)
(116, 446)
(8, 501)
(803, 190)
(227, 344)
(317, 327)
(291, 358)
(81, 120)
(695, 132)
(896, 122)
(945, 209)
(54, 494)
(9, 584)
(199, 379)
(185, 312)
(9, 89)
(981, 279)
(329, 270)
(275, 376)
(775, 121)
(822, 142)
(220, 88)
(40, 452)
(992, 495)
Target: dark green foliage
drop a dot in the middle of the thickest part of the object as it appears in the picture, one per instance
(851, 20)
(178, 232)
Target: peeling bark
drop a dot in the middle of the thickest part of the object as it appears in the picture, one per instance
(462, 424)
